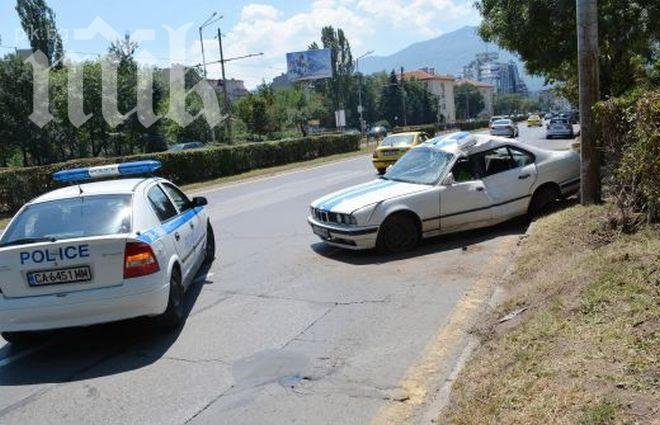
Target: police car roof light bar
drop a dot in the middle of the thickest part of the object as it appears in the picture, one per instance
(105, 171)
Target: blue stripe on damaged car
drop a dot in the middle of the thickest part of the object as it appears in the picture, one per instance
(333, 202)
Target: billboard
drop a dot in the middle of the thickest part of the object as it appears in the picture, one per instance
(309, 65)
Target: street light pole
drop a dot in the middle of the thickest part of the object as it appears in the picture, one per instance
(360, 106)
(206, 23)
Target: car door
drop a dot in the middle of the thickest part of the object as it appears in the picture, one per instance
(191, 230)
(465, 203)
(509, 173)
(174, 225)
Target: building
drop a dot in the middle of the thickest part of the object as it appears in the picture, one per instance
(503, 76)
(441, 87)
(281, 82)
(486, 90)
(235, 88)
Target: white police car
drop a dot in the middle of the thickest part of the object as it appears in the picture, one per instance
(446, 185)
(101, 251)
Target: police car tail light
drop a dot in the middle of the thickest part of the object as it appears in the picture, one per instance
(139, 260)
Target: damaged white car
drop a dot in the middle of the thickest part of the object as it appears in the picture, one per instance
(458, 182)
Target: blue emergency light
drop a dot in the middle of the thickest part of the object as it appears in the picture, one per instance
(104, 171)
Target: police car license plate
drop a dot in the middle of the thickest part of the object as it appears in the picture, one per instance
(60, 276)
(320, 231)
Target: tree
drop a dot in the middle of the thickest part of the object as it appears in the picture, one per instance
(420, 105)
(469, 102)
(123, 50)
(543, 33)
(38, 22)
(391, 100)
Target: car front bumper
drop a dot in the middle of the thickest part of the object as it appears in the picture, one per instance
(135, 298)
(362, 237)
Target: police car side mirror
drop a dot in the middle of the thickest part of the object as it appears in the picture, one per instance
(449, 180)
(199, 201)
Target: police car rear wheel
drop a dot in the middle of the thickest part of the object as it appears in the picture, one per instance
(174, 313)
(397, 234)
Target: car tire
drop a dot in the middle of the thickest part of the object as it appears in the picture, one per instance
(397, 234)
(175, 311)
(544, 196)
(209, 254)
(20, 338)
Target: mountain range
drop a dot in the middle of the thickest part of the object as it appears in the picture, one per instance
(448, 54)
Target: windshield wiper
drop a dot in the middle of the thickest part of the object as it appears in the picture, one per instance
(26, 241)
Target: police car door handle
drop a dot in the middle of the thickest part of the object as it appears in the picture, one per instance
(176, 236)
(192, 226)
(523, 176)
(479, 188)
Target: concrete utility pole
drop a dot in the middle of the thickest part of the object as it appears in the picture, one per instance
(224, 89)
(587, 30)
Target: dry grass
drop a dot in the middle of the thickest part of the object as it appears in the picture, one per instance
(587, 350)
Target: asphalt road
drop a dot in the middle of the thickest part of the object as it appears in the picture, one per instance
(281, 329)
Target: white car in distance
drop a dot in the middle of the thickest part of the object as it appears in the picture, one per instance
(101, 251)
(446, 185)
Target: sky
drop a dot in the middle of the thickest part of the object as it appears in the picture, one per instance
(168, 30)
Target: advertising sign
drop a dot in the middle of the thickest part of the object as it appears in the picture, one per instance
(309, 65)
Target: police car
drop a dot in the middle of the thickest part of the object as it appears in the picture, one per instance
(446, 185)
(101, 251)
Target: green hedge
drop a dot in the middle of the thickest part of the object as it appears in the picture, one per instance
(19, 185)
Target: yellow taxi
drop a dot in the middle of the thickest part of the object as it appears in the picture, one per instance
(394, 147)
(534, 121)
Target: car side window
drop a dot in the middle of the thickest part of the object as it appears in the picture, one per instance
(465, 170)
(520, 157)
(180, 200)
(161, 204)
(497, 161)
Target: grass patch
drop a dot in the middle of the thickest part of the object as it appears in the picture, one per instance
(264, 172)
(587, 349)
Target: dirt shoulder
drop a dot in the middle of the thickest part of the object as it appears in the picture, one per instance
(585, 344)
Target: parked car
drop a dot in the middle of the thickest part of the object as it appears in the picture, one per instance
(504, 127)
(186, 146)
(394, 147)
(446, 185)
(559, 127)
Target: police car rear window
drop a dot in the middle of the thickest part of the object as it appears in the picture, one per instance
(72, 218)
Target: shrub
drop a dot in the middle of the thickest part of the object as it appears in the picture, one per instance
(630, 137)
(19, 185)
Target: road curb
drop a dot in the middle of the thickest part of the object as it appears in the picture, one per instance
(440, 400)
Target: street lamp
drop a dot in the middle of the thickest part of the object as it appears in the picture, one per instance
(360, 107)
(206, 23)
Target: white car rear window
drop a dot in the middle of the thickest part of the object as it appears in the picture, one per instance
(72, 218)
